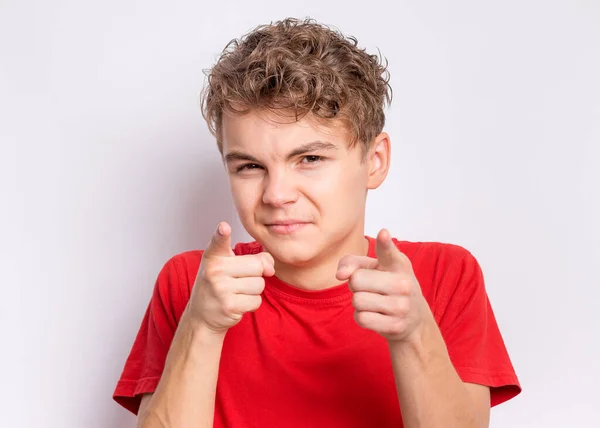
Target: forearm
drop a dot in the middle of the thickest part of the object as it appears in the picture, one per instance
(185, 396)
(430, 392)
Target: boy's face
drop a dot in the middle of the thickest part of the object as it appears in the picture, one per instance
(297, 187)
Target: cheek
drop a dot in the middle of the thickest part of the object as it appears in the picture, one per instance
(336, 192)
(243, 196)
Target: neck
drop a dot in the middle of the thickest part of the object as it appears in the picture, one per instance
(319, 274)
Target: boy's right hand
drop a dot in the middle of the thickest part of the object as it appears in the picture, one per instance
(227, 286)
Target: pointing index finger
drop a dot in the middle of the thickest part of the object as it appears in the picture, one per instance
(389, 256)
(220, 242)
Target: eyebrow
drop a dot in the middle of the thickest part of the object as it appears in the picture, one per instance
(236, 155)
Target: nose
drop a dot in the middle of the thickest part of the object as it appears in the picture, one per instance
(279, 189)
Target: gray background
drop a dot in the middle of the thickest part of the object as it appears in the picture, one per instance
(107, 170)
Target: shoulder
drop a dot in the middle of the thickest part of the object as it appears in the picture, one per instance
(439, 254)
(443, 270)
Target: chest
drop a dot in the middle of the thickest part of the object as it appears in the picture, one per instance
(297, 365)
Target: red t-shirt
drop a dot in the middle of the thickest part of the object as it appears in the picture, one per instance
(301, 360)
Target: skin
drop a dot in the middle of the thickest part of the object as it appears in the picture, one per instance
(306, 172)
(326, 187)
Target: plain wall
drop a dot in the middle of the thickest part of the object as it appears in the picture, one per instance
(107, 170)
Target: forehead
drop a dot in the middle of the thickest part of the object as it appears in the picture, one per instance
(267, 130)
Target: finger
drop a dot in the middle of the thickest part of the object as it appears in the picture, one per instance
(249, 265)
(372, 281)
(389, 256)
(374, 302)
(249, 286)
(246, 303)
(382, 324)
(220, 243)
(269, 264)
(349, 264)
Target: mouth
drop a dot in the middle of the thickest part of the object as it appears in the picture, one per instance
(286, 227)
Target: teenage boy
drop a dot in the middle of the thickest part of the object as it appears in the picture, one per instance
(313, 324)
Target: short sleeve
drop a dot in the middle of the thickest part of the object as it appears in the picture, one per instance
(146, 361)
(468, 325)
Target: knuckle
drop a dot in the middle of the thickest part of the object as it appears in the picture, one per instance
(345, 261)
(266, 257)
(252, 285)
(214, 268)
(355, 280)
(219, 287)
(360, 318)
(259, 262)
(228, 306)
(260, 284)
(358, 299)
(399, 306)
(358, 274)
(252, 264)
(397, 327)
(404, 286)
(257, 303)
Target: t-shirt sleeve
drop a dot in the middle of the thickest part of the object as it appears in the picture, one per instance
(468, 325)
(146, 360)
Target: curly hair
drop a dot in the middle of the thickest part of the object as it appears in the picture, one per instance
(299, 67)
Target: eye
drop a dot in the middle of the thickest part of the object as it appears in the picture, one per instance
(312, 159)
(248, 166)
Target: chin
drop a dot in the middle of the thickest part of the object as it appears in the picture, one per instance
(295, 252)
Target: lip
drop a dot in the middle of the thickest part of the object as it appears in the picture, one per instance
(286, 227)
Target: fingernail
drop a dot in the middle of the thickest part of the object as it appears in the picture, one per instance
(220, 229)
(388, 238)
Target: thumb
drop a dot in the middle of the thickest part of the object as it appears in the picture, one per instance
(388, 255)
(220, 243)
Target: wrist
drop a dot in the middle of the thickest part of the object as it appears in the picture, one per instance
(409, 348)
(200, 332)
(421, 339)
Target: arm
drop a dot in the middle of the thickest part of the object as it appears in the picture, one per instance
(226, 287)
(388, 300)
(424, 374)
(185, 396)
(142, 409)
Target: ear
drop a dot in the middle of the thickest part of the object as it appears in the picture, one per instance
(378, 160)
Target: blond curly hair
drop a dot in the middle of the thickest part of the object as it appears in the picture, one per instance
(296, 68)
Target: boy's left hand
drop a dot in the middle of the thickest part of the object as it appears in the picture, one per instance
(387, 296)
